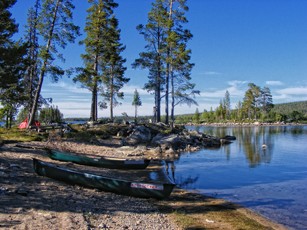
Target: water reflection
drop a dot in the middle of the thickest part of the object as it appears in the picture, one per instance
(257, 145)
(170, 169)
(264, 168)
(187, 182)
(255, 142)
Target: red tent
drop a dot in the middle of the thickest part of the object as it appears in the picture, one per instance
(23, 125)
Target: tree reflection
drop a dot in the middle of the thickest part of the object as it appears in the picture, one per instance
(257, 145)
(170, 168)
(187, 183)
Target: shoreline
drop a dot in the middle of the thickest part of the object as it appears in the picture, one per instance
(233, 124)
(38, 202)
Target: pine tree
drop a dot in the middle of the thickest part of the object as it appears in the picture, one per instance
(103, 64)
(56, 29)
(12, 64)
(250, 104)
(227, 104)
(154, 33)
(12, 90)
(113, 66)
(8, 28)
(167, 56)
(31, 76)
(178, 66)
(136, 102)
(91, 74)
(266, 100)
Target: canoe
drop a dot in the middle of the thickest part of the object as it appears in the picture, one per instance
(104, 162)
(124, 187)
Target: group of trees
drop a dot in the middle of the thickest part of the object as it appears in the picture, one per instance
(167, 57)
(257, 105)
(104, 66)
(47, 115)
(26, 63)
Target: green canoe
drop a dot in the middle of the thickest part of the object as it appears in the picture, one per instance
(125, 187)
(104, 162)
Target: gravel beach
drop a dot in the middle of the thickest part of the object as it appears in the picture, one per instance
(29, 201)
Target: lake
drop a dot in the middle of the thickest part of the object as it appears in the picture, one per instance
(265, 170)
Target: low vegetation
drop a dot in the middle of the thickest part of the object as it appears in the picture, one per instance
(17, 135)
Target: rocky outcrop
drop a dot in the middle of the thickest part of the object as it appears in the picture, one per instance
(182, 140)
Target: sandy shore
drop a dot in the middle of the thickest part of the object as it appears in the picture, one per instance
(29, 201)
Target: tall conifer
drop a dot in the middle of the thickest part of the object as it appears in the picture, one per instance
(113, 66)
(56, 29)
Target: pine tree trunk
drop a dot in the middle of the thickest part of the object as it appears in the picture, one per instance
(94, 110)
(173, 102)
(93, 116)
(111, 96)
(135, 114)
(168, 69)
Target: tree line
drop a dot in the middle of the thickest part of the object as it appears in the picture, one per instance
(257, 105)
(24, 64)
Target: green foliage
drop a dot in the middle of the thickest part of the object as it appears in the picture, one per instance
(167, 57)
(50, 115)
(12, 65)
(136, 99)
(102, 60)
(287, 108)
(56, 29)
(136, 102)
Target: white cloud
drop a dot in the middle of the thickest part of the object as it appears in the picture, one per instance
(211, 73)
(293, 91)
(290, 94)
(274, 83)
(235, 89)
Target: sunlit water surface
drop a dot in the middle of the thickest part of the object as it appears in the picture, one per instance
(265, 169)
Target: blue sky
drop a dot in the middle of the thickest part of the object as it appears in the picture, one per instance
(234, 42)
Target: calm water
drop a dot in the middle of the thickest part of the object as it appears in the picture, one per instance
(270, 180)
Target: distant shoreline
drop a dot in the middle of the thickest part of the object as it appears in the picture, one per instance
(255, 124)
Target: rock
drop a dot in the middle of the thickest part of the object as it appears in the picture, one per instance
(140, 134)
(171, 140)
(229, 138)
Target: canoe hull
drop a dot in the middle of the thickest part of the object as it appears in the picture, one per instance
(98, 161)
(130, 188)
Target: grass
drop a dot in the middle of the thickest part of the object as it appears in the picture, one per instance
(17, 135)
(194, 211)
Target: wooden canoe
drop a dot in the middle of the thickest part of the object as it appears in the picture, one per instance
(103, 162)
(124, 187)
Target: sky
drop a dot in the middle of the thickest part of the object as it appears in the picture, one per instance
(235, 42)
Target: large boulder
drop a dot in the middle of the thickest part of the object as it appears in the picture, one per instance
(167, 141)
(140, 134)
